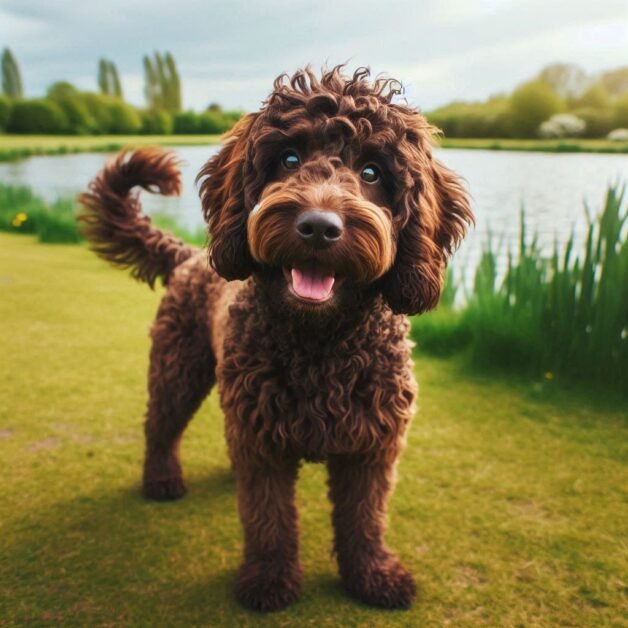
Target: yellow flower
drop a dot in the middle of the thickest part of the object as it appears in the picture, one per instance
(20, 218)
(549, 375)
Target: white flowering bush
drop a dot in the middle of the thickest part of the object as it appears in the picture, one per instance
(618, 135)
(562, 125)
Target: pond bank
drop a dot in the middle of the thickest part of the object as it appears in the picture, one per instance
(16, 147)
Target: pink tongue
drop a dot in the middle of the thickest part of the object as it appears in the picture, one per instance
(311, 284)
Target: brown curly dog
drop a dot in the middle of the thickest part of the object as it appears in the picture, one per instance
(330, 220)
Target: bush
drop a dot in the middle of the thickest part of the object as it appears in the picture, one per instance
(156, 122)
(473, 120)
(530, 105)
(5, 111)
(212, 122)
(21, 211)
(620, 112)
(37, 116)
(112, 115)
(98, 107)
(185, 123)
(125, 119)
(599, 122)
(618, 135)
(562, 125)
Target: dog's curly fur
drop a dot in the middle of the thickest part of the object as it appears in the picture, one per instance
(298, 379)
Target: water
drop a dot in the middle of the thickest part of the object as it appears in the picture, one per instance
(551, 186)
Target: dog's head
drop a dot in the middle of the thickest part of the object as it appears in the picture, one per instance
(331, 189)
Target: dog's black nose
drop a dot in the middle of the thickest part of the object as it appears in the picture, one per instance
(319, 228)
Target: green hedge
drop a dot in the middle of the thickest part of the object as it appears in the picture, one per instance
(36, 117)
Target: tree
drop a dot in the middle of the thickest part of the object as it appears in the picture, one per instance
(11, 79)
(5, 111)
(616, 81)
(566, 79)
(174, 93)
(162, 83)
(596, 97)
(530, 105)
(108, 79)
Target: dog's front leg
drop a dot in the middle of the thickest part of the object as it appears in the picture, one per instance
(359, 487)
(270, 577)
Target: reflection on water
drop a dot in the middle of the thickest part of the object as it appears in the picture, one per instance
(551, 186)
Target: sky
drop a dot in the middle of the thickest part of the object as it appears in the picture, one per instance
(229, 52)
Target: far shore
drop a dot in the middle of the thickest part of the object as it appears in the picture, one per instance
(16, 147)
(542, 146)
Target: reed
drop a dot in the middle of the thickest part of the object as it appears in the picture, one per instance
(22, 211)
(565, 316)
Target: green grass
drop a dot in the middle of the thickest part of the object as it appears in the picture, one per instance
(510, 507)
(24, 212)
(543, 146)
(14, 147)
(566, 315)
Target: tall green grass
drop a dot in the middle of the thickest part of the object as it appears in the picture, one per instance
(564, 316)
(22, 211)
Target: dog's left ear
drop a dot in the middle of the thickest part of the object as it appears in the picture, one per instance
(223, 200)
(438, 215)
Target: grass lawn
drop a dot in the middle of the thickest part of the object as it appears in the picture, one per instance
(510, 508)
(543, 146)
(14, 147)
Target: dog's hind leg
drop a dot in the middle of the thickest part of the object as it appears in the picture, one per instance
(182, 372)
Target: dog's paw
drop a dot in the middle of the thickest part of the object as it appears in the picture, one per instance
(385, 584)
(164, 490)
(264, 587)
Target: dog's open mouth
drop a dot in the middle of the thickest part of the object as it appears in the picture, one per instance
(311, 284)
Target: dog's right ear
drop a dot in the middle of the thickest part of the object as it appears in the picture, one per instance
(222, 199)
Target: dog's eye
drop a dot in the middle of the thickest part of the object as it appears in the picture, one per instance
(370, 174)
(290, 160)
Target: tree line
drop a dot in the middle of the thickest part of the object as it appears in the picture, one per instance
(67, 110)
(561, 101)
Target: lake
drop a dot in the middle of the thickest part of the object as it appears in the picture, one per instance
(552, 187)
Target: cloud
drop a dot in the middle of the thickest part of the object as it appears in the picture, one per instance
(230, 52)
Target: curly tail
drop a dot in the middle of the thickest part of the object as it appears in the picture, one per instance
(114, 225)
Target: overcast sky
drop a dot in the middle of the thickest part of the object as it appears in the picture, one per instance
(230, 51)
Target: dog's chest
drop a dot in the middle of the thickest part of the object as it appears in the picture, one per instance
(317, 395)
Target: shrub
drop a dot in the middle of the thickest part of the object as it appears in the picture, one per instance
(596, 97)
(125, 119)
(530, 105)
(156, 122)
(562, 125)
(620, 112)
(37, 116)
(618, 135)
(185, 123)
(5, 111)
(98, 107)
(21, 211)
(599, 122)
(212, 122)
(473, 119)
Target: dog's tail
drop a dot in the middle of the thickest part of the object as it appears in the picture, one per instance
(112, 220)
